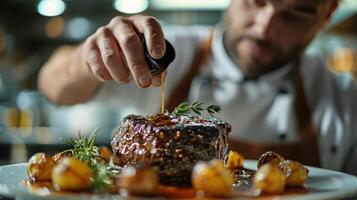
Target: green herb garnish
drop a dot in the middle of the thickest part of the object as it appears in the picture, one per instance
(103, 177)
(83, 149)
(213, 109)
(196, 107)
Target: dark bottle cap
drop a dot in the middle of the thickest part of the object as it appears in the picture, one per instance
(158, 65)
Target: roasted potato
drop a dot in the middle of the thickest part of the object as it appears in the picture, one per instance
(269, 179)
(40, 167)
(270, 157)
(295, 173)
(71, 174)
(212, 178)
(139, 181)
(58, 157)
(234, 160)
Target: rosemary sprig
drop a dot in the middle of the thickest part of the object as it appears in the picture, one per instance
(196, 107)
(102, 180)
(213, 109)
(181, 109)
(83, 149)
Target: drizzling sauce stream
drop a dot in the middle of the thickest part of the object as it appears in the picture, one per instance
(162, 92)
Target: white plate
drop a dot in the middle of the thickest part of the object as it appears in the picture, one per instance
(325, 184)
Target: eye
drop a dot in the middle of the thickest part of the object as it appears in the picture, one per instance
(290, 17)
(306, 10)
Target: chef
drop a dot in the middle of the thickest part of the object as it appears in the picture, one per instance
(252, 64)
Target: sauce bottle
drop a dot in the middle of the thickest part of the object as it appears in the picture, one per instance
(157, 66)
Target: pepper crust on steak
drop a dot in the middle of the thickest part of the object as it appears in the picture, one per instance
(172, 144)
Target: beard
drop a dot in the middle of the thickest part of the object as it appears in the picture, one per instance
(271, 56)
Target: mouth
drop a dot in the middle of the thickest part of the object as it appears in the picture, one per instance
(256, 51)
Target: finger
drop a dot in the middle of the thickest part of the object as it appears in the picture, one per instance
(156, 80)
(111, 56)
(96, 64)
(134, 54)
(154, 36)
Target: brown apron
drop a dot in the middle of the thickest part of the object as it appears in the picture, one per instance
(305, 150)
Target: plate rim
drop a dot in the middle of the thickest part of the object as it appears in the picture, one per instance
(345, 193)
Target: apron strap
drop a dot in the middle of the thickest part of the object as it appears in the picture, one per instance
(307, 133)
(302, 110)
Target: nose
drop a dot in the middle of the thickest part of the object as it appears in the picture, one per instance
(264, 22)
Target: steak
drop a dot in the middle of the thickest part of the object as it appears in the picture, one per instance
(172, 144)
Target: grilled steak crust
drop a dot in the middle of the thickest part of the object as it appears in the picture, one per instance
(173, 144)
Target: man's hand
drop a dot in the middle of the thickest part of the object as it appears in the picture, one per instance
(114, 51)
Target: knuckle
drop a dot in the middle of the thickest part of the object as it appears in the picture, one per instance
(118, 20)
(115, 20)
(89, 43)
(107, 43)
(150, 21)
(101, 74)
(138, 66)
(107, 50)
(102, 30)
(137, 16)
(108, 56)
(128, 39)
(108, 53)
(97, 69)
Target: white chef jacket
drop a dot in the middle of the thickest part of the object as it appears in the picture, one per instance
(259, 110)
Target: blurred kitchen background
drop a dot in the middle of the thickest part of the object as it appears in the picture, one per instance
(31, 29)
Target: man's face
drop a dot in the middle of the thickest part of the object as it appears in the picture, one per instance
(262, 35)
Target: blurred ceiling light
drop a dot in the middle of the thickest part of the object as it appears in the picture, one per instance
(51, 8)
(79, 27)
(54, 27)
(190, 4)
(131, 6)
